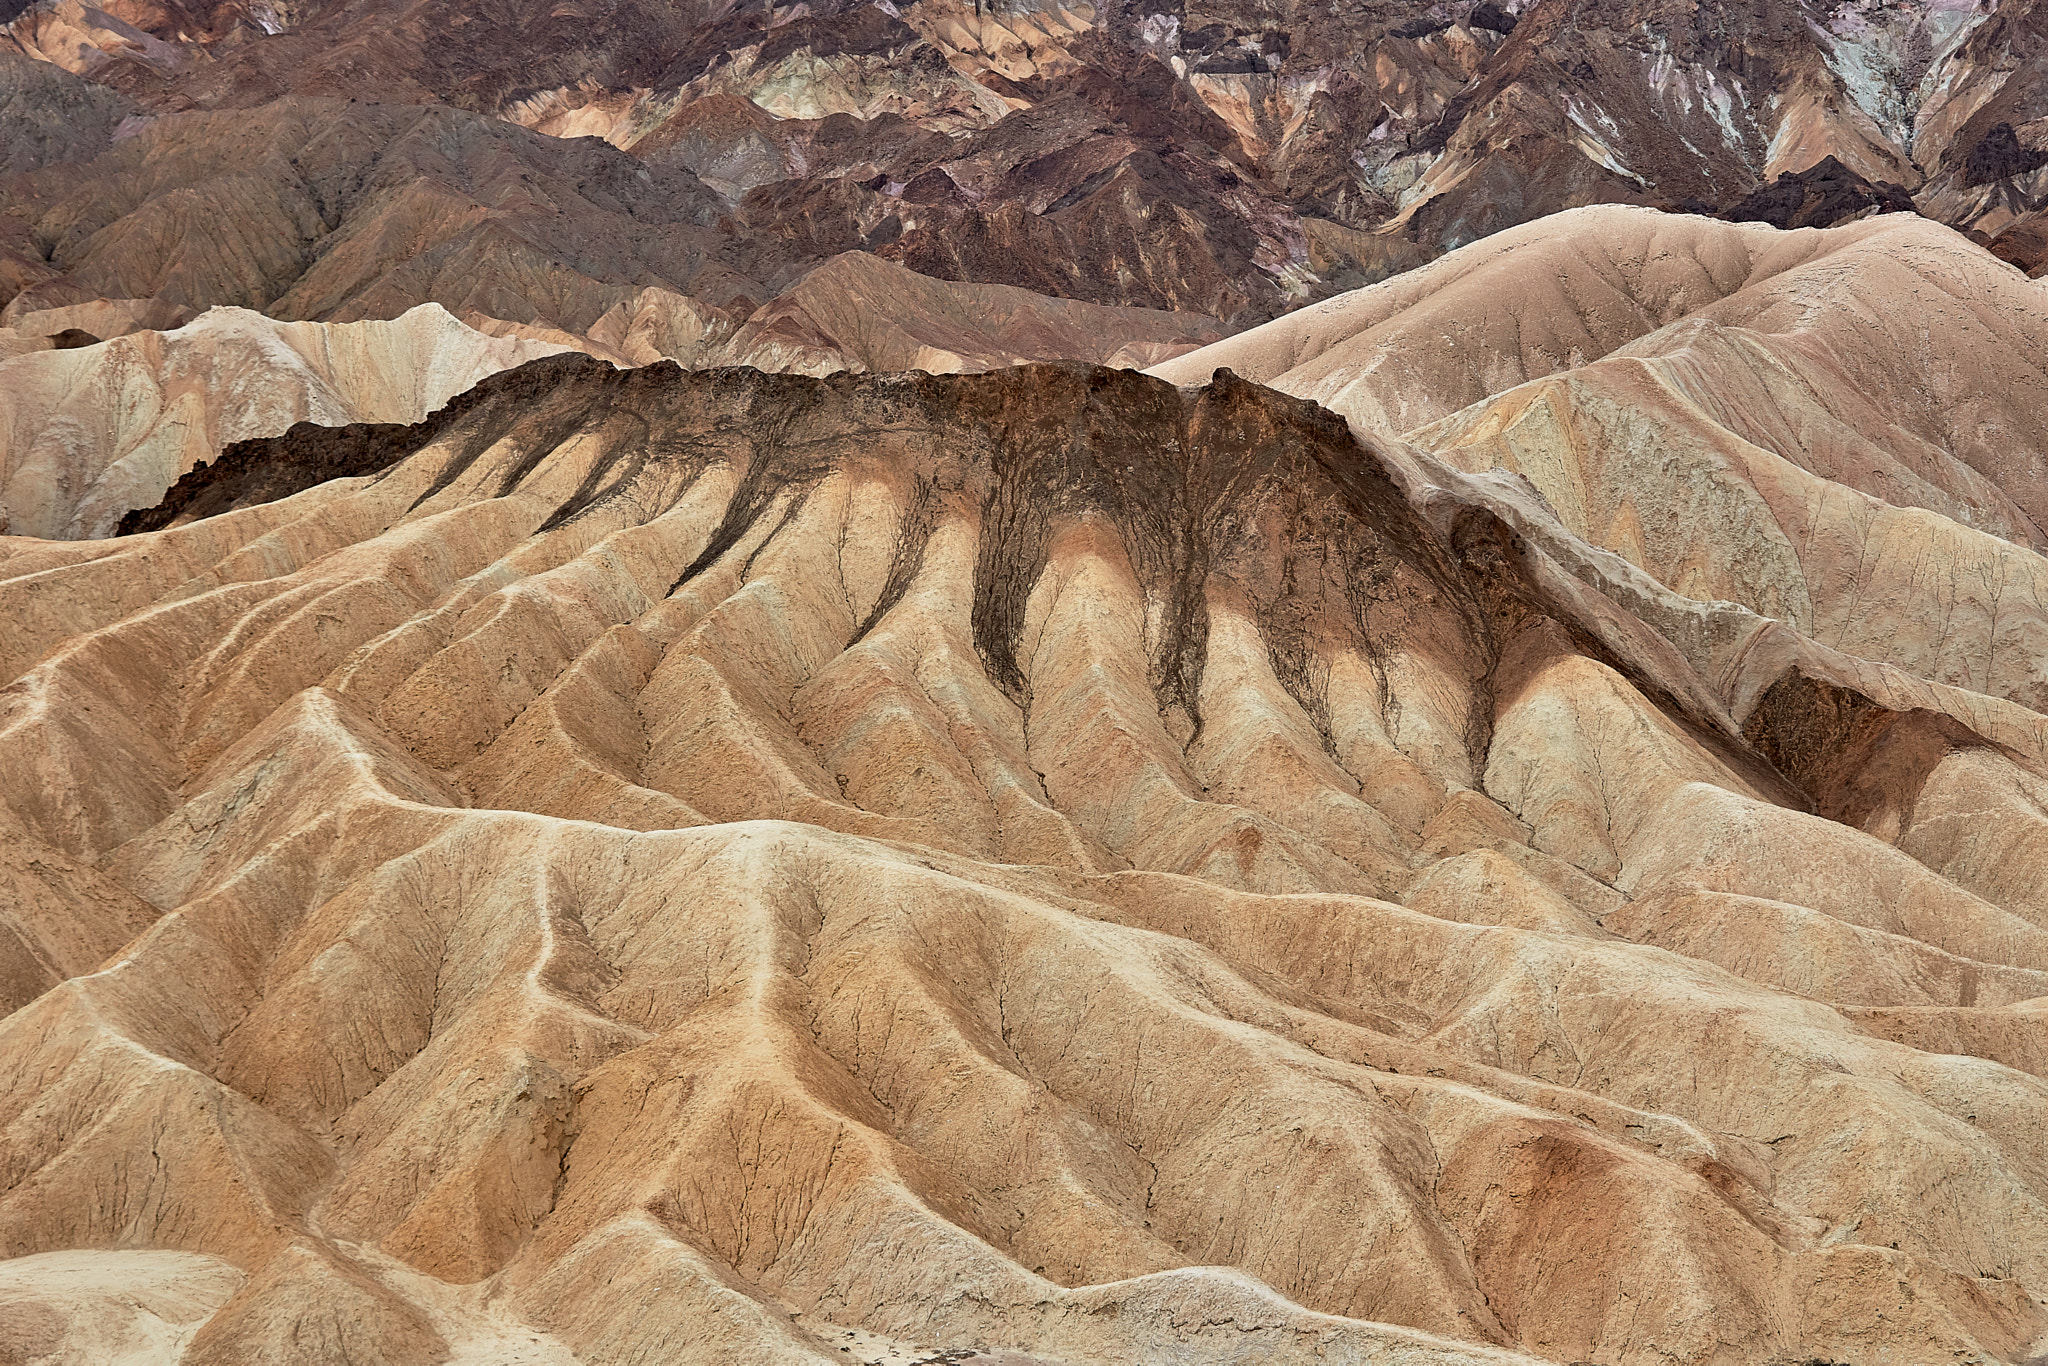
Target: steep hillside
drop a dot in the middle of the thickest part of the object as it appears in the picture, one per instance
(1842, 429)
(1234, 157)
(725, 866)
(88, 433)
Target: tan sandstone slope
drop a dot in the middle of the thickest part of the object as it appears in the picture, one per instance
(651, 866)
(1844, 429)
(88, 433)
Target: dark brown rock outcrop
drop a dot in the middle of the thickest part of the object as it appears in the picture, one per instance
(1821, 196)
(249, 473)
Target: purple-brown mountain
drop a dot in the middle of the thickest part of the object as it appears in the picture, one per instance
(1230, 159)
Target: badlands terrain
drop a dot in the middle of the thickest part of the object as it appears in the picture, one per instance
(542, 162)
(1500, 818)
(1185, 683)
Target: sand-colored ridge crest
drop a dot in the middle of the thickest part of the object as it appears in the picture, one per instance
(1047, 863)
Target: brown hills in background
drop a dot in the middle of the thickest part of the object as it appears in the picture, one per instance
(344, 160)
(629, 735)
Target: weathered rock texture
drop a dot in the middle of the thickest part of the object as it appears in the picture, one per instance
(50, 118)
(1233, 158)
(1843, 429)
(706, 867)
(857, 311)
(87, 433)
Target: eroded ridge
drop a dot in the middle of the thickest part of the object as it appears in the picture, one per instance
(651, 865)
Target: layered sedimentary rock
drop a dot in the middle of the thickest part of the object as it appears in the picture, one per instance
(722, 866)
(1841, 429)
(1521, 841)
(334, 211)
(337, 211)
(859, 312)
(88, 433)
(1232, 160)
(1981, 140)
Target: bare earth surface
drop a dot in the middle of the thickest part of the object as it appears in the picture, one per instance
(1496, 817)
(1841, 429)
(717, 866)
(87, 433)
(1230, 158)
